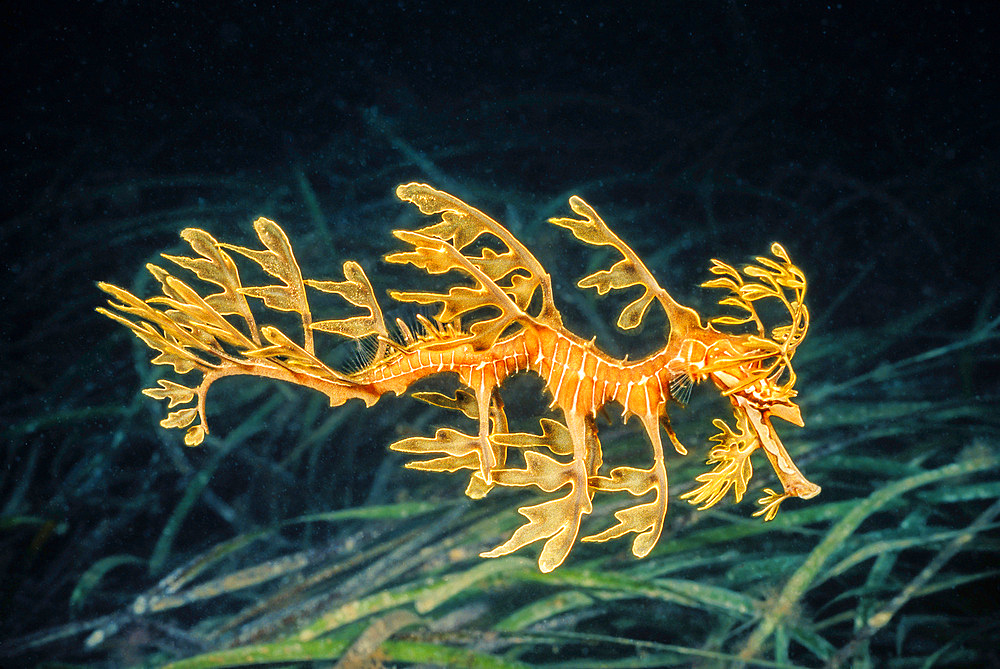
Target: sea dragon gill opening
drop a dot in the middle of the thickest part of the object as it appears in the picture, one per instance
(500, 321)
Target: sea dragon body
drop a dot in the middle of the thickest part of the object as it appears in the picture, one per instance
(523, 333)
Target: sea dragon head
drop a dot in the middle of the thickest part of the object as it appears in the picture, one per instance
(754, 371)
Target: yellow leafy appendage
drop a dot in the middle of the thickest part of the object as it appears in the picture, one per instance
(501, 320)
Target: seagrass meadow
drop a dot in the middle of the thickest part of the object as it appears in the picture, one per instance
(857, 147)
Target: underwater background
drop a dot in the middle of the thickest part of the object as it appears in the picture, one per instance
(864, 139)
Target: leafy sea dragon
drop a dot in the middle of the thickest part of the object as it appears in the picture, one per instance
(501, 321)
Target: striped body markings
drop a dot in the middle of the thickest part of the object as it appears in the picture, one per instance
(576, 374)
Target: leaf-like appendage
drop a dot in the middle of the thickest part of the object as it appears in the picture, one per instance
(192, 332)
(556, 521)
(631, 479)
(187, 308)
(461, 451)
(733, 468)
(440, 248)
(437, 257)
(554, 436)
(278, 261)
(771, 501)
(541, 471)
(630, 271)
(180, 418)
(291, 355)
(215, 266)
(174, 393)
(446, 440)
(176, 344)
(356, 289)
(463, 401)
(641, 519)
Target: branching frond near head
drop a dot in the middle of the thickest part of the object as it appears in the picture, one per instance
(770, 279)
